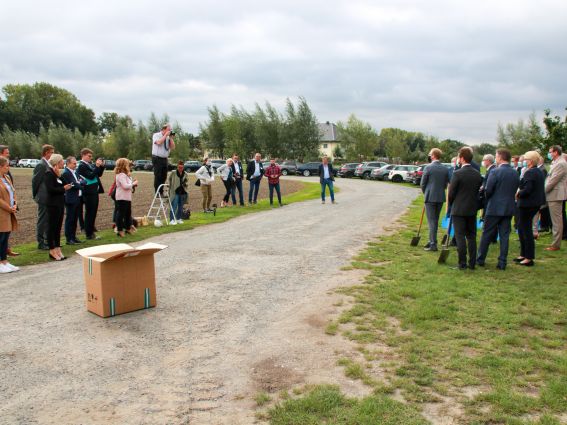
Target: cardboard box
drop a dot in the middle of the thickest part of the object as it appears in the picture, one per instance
(119, 278)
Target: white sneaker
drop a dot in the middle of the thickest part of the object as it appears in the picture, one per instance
(12, 267)
(5, 269)
(180, 221)
(172, 223)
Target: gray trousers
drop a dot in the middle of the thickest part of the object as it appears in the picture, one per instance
(42, 225)
(432, 211)
(556, 213)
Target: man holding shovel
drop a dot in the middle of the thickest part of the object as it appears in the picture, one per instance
(433, 184)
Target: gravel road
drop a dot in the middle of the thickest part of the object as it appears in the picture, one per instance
(241, 309)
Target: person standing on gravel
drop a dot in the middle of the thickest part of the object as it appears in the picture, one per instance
(206, 177)
(40, 197)
(326, 178)
(273, 173)
(254, 173)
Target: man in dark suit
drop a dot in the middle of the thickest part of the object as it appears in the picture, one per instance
(91, 174)
(254, 173)
(237, 172)
(463, 195)
(500, 192)
(39, 195)
(72, 200)
(433, 184)
(326, 178)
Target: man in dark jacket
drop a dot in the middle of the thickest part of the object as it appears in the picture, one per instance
(433, 184)
(254, 173)
(39, 195)
(463, 195)
(91, 174)
(500, 192)
(72, 200)
(326, 178)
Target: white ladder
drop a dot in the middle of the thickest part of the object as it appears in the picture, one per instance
(159, 206)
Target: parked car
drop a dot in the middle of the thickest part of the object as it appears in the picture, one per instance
(13, 163)
(400, 173)
(289, 167)
(311, 169)
(192, 166)
(415, 176)
(28, 163)
(150, 167)
(347, 170)
(382, 172)
(109, 164)
(216, 163)
(139, 164)
(363, 170)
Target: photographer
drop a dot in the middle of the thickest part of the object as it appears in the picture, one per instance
(162, 144)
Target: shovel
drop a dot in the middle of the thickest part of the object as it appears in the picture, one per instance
(445, 247)
(416, 238)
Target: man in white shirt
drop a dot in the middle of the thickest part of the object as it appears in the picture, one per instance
(162, 144)
(254, 173)
(326, 178)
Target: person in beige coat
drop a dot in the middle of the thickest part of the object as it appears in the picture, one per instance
(556, 193)
(8, 221)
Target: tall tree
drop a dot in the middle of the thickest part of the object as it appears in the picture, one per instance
(555, 131)
(358, 138)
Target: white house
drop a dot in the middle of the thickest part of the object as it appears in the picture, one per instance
(329, 139)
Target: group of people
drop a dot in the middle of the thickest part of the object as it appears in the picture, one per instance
(521, 191)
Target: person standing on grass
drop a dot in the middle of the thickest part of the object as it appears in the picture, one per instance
(8, 221)
(530, 196)
(326, 178)
(162, 145)
(237, 172)
(5, 152)
(433, 184)
(254, 173)
(39, 196)
(500, 192)
(463, 195)
(72, 200)
(206, 177)
(124, 188)
(91, 175)
(227, 177)
(556, 194)
(273, 173)
(178, 186)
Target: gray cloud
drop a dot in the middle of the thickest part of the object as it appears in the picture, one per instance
(448, 68)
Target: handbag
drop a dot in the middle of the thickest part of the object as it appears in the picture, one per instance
(198, 182)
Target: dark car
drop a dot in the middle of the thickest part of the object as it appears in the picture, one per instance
(311, 169)
(139, 164)
(192, 166)
(347, 170)
(150, 166)
(216, 163)
(415, 176)
(381, 173)
(289, 167)
(109, 164)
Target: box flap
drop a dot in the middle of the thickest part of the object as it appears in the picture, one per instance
(150, 248)
(105, 252)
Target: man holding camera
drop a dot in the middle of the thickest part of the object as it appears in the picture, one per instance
(162, 145)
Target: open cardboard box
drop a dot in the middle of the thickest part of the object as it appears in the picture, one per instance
(119, 278)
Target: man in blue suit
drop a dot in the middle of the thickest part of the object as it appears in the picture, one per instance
(72, 200)
(499, 192)
(433, 184)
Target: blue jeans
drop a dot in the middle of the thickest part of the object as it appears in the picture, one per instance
(277, 187)
(237, 185)
(254, 188)
(177, 203)
(327, 182)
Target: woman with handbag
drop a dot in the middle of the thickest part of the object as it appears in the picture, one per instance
(206, 177)
(178, 186)
(8, 221)
(227, 176)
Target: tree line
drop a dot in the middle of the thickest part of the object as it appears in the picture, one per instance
(33, 115)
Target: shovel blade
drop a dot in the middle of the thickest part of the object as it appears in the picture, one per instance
(444, 240)
(444, 255)
(415, 240)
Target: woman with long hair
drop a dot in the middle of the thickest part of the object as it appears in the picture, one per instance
(8, 221)
(55, 204)
(227, 176)
(124, 188)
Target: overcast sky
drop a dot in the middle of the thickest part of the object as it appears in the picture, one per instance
(451, 69)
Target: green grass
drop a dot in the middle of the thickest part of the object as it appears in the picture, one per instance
(31, 255)
(494, 342)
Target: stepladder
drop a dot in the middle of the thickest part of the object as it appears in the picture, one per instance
(160, 205)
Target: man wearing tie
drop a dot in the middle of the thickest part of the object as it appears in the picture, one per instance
(91, 174)
(72, 200)
(162, 145)
(254, 173)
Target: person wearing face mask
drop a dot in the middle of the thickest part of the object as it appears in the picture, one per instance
(206, 177)
(55, 204)
(556, 194)
(500, 194)
(433, 184)
(488, 164)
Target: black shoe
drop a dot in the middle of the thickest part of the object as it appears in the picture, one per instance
(71, 243)
(43, 247)
(427, 245)
(530, 263)
(432, 248)
(93, 238)
(501, 267)
(519, 259)
(480, 263)
(471, 266)
(77, 241)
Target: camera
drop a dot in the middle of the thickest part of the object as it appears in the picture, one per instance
(172, 133)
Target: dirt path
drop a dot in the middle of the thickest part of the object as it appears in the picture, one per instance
(241, 308)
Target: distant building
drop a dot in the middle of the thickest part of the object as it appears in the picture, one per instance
(329, 139)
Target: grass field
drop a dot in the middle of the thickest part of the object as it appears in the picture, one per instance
(479, 347)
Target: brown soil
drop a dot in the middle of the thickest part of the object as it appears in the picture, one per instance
(142, 199)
